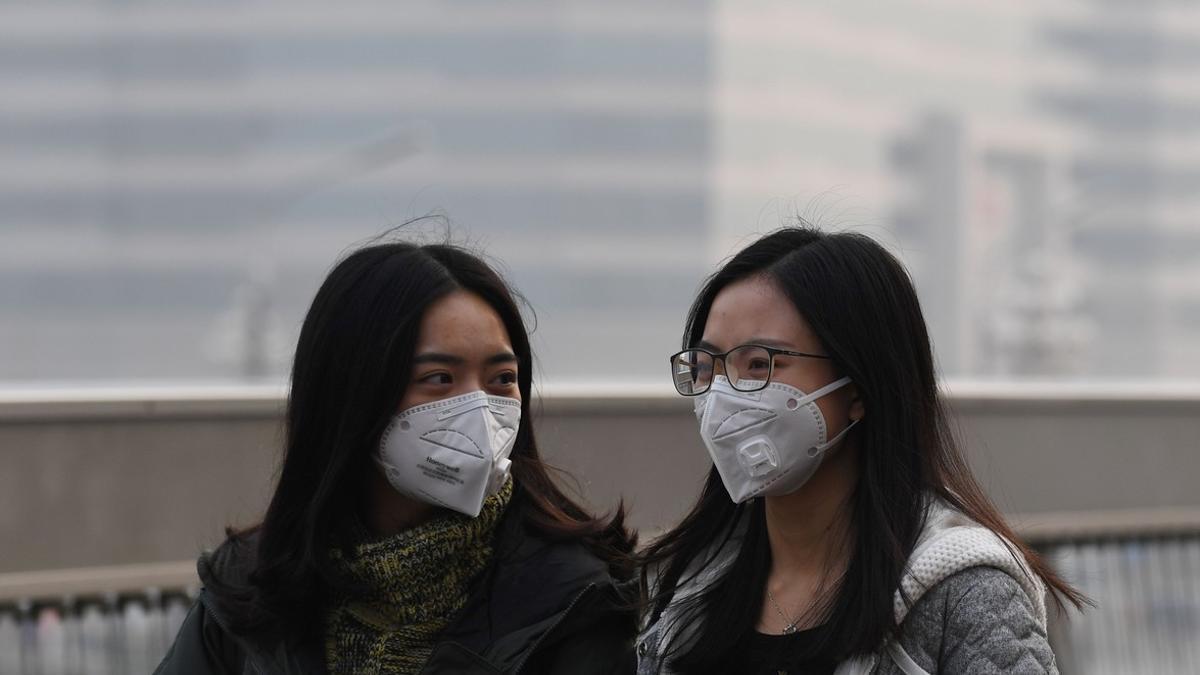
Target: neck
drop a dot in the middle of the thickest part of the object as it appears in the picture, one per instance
(808, 529)
(388, 512)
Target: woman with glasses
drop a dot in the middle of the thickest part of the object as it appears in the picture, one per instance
(840, 529)
(413, 527)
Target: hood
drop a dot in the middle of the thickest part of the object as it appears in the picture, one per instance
(951, 542)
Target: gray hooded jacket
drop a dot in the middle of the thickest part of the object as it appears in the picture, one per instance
(974, 608)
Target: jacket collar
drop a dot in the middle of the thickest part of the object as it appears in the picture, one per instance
(703, 571)
(949, 542)
(533, 590)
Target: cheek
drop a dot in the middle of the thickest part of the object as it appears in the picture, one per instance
(406, 402)
(835, 407)
(793, 379)
(807, 377)
(412, 398)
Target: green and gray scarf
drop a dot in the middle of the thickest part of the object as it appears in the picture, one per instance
(418, 581)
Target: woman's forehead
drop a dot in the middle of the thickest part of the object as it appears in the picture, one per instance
(462, 322)
(755, 310)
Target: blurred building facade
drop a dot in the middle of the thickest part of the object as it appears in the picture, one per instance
(176, 179)
(1133, 175)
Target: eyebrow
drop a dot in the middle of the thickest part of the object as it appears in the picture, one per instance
(501, 357)
(766, 342)
(455, 360)
(438, 357)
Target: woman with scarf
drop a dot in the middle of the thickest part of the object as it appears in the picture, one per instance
(413, 528)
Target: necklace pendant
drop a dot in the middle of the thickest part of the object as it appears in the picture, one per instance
(789, 629)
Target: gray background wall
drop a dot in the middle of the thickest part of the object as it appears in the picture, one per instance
(153, 478)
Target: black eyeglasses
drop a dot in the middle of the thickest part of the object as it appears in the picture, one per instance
(692, 369)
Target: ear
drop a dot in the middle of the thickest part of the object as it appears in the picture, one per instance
(857, 409)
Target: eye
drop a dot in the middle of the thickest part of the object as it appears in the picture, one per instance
(505, 379)
(759, 364)
(438, 378)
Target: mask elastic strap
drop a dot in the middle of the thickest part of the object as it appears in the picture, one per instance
(832, 386)
(837, 439)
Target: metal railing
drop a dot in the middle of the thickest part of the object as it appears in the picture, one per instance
(1143, 573)
(93, 621)
(102, 635)
(1146, 589)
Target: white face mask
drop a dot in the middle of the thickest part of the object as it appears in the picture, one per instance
(766, 442)
(451, 453)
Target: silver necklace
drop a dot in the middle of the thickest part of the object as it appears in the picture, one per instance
(791, 624)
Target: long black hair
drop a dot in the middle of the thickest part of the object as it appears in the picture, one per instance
(861, 304)
(352, 363)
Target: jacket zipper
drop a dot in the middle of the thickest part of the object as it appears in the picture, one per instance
(562, 617)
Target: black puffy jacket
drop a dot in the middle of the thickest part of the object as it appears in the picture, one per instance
(540, 607)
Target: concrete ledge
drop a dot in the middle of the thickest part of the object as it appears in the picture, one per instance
(129, 475)
(191, 400)
(140, 402)
(1078, 526)
(97, 581)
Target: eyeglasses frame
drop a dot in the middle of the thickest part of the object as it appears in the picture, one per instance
(771, 351)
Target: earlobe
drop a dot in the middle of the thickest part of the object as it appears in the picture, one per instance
(857, 409)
